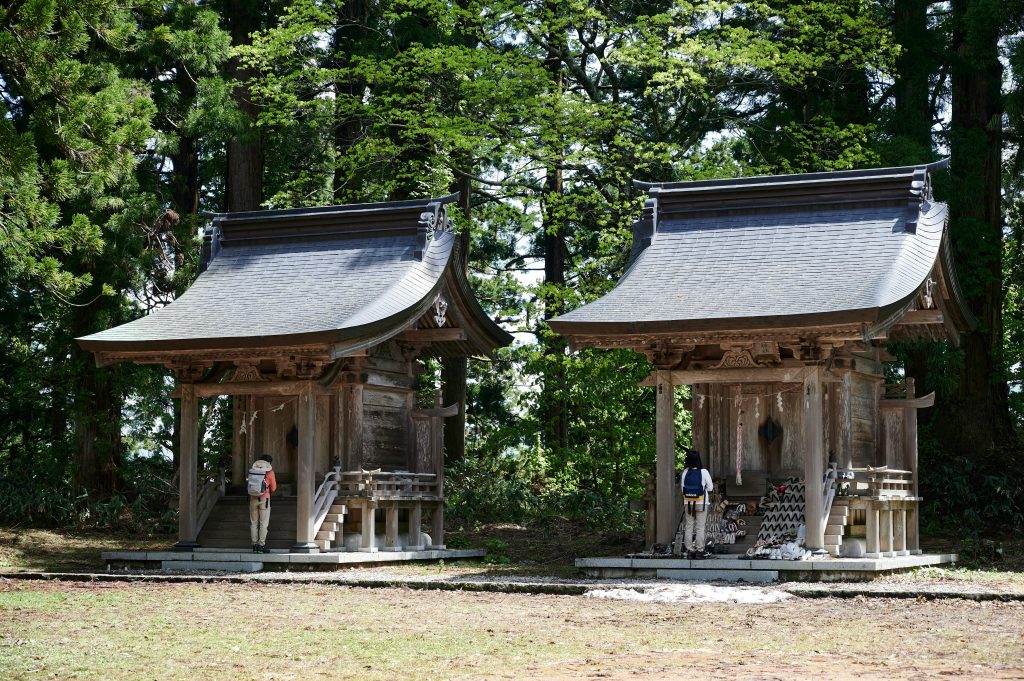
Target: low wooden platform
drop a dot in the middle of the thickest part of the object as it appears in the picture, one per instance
(741, 569)
(233, 560)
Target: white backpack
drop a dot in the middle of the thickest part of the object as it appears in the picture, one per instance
(257, 483)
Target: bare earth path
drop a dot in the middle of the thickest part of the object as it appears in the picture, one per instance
(116, 631)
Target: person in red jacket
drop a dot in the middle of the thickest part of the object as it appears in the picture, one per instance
(262, 483)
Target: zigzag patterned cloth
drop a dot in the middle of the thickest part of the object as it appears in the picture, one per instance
(783, 515)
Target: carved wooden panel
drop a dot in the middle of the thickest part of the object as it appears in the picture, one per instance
(422, 439)
(384, 419)
(893, 442)
(862, 421)
(790, 416)
(323, 458)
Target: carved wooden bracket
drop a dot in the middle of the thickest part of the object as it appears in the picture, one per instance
(189, 372)
(248, 372)
(663, 356)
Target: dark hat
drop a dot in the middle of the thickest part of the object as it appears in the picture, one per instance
(267, 458)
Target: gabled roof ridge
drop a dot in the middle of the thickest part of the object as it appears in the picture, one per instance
(377, 206)
(893, 172)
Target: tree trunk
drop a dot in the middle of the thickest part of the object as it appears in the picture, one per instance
(244, 178)
(454, 369)
(348, 128)
(912, 128)
(553, 396)
(97, 407)
(978, 420)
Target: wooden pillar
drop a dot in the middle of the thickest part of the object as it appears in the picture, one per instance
(910, 420)
(304, 473)
(415, 538)
(899, 532)
(353, 427)
(391, 529)
(844, 406)
(437, 445)
(189, 471)
(814, 460)
(871, 531)
(369, 523)
(437, 528)
(238, 418)
(665, 470)
(913, 533)
(885, 532)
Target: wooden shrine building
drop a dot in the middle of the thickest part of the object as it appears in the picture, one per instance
(774, 298)
(314, 322)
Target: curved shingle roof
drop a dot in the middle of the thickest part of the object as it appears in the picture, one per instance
(768, 252)
(306, 276)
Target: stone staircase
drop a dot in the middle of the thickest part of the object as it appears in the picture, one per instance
(835, 527)
(330, 535)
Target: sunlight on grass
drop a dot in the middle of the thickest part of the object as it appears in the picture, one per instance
(230, 631)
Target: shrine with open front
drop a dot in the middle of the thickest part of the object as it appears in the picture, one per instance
(315, 322)
(773, 298)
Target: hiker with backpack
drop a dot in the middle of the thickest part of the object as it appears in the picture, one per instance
(696, 484)
(261, 483)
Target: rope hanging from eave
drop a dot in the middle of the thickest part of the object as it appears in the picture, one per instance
(739, 448)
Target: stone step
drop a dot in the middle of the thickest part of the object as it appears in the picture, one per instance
(835, 529)
(340, 509)
(334, 518)
(229, 566)
(710, 574)
(833, 549)
(325, 534)
(836, 539)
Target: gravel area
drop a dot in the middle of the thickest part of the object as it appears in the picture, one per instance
(540, 584)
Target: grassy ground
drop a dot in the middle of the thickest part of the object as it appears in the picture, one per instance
(222, 631)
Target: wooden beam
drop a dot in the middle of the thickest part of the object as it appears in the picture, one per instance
(189, 468)
(814, 461)
(751, 375)
(306, 419)
(922, 317)
(443, 412)
(665, 468)
(909, 403)
(444, 335)
(271, 388)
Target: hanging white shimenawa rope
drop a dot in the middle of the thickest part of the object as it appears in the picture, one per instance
(739, 448)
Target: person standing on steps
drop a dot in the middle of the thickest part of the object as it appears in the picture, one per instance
(697, 485)
(261, 484)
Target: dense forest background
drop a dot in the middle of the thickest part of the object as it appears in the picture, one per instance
(124, 121)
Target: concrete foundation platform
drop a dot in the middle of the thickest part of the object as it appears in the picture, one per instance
(233, 560)
(740, 568)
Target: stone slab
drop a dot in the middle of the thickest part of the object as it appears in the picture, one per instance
(722, 564)
(604, 562)
(708, 575)
(226, 566)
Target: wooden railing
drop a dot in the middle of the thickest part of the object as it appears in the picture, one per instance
(388, 485)
(324, 498)
(828, 492)
(210, 493)
(883, 482)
